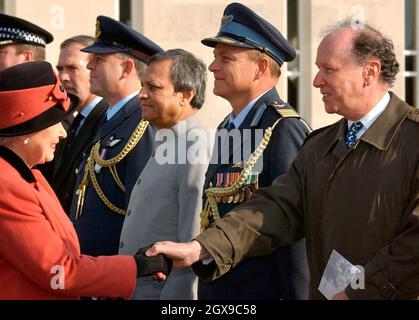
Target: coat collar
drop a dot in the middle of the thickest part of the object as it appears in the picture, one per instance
(382, 131)
(17, 163)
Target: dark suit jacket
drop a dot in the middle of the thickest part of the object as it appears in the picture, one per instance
(283, 274)
(99, 227)
(69, 157)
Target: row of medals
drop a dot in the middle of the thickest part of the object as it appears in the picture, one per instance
(240, 196)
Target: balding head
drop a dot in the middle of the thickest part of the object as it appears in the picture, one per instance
(356, 67)
(365, 44)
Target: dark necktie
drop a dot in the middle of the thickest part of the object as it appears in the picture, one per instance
(351, 138)
(75, 129)
(231, 126)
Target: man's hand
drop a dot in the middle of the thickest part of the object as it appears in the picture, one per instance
(182, 254)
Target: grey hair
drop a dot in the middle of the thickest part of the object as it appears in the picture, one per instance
(370, 43)
(188, 73)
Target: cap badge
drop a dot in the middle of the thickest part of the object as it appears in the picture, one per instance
(98, 31)
(226, 19)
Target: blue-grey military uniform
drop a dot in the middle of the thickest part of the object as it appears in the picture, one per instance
(283, 274)
(103, 189)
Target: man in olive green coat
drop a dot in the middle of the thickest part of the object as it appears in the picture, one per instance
(353, 188)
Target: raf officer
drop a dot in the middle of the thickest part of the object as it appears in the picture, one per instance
(21, 41)
(124, 142)
(248, 55)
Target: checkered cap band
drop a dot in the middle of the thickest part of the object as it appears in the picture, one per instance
(14, 34)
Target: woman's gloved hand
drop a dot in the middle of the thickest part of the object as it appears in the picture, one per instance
(148, 266)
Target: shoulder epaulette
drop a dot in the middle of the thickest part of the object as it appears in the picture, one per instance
(413, 114)
(285, 110)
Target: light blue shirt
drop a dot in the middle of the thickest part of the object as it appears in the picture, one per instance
(371, 116)
(238, 120)
(112, 110)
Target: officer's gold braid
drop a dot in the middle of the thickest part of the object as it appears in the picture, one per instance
(211, 207)
(132, 142)
(102, 196)
(96, 158)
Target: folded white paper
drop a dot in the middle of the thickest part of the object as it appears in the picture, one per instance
(337, 275)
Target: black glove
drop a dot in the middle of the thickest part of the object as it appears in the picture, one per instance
(147, 266)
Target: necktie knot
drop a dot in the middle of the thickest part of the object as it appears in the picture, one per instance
(351, 138)
(231, 126)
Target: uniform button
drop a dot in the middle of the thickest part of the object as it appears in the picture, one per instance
(388, 290)
(121, 245)
(76, 171)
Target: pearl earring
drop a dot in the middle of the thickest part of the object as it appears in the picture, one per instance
(26, 141)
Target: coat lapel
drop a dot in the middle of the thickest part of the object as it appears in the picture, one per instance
(118, 119)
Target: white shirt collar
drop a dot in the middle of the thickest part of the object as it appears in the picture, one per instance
(371, 116)
(374, 113)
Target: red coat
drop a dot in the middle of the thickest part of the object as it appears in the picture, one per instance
(38, 244)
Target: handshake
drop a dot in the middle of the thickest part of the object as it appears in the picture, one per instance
(148, 266)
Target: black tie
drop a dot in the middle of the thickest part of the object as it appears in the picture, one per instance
(231, 126)
(74, 129)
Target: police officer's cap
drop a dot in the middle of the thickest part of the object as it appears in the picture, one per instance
(242, 27)
(113, 36)
(18, 31)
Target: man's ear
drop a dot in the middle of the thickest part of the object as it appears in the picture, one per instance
(128, 66)
(263, 65)
(28, 56)
(372, 71)
(187, 96)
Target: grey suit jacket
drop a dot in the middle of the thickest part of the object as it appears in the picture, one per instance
(165, 204)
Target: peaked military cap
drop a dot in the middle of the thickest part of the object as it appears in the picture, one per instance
(15, 30)
(242, 27)
(32, 98)
(113, 36)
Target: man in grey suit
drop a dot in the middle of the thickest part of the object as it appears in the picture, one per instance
(74, 75)
(166, 200)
